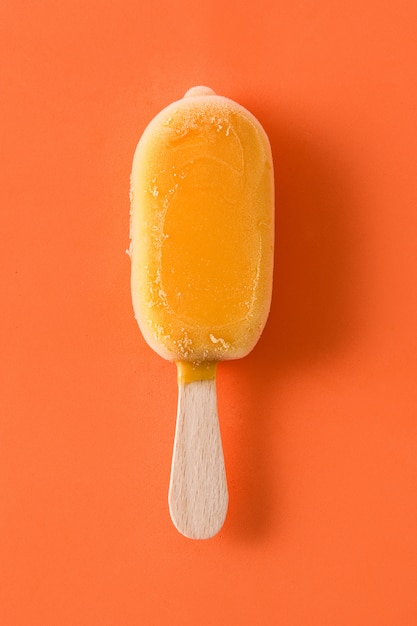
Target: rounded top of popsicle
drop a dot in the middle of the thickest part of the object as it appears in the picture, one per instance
(200, 90)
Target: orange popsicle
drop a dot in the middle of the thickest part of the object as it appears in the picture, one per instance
(202, 214)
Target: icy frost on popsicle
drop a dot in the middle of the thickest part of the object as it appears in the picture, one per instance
(202, 212)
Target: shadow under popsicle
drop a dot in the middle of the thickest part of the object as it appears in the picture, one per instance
(311, 313)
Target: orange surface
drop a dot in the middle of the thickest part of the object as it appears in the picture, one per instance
(319, 422)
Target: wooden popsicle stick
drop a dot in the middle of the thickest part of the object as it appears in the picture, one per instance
(198, 494)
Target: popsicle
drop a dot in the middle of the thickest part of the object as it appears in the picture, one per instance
(202, 237)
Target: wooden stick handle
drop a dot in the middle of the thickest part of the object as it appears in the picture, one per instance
(198, 494)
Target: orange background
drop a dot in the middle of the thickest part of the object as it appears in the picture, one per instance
(319, 422)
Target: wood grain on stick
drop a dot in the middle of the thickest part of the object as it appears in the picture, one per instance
(198, 494)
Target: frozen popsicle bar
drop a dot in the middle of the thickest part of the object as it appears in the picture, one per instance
(202, 213)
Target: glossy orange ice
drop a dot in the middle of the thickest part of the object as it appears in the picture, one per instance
(202, 213)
